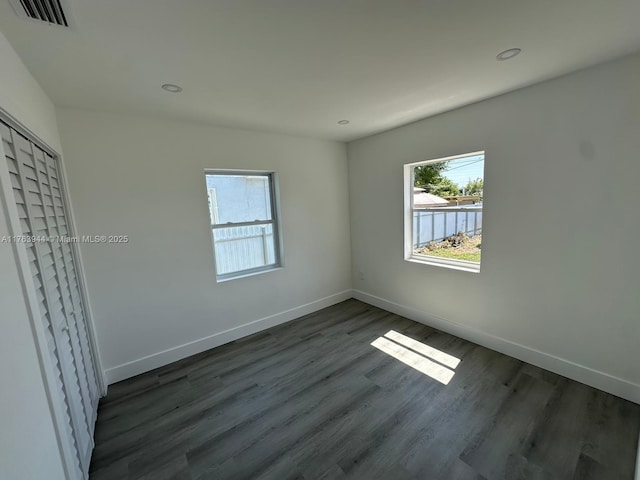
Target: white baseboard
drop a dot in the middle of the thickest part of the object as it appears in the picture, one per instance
(561, 366)
(145, 364)
(600, 380)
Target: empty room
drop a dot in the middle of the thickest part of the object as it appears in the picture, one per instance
(319, 239)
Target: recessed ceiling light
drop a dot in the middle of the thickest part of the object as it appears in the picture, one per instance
(170, 87)
(508, 54)
(343, 122)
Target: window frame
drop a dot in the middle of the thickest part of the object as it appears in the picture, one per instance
(274, 221)
(409, 255)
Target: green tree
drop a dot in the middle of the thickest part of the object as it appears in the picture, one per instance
(427, 175)
(430, 178)
(475, 187)
(445, 188)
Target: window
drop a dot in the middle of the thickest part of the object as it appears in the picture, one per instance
(244, 222)
(443, 211)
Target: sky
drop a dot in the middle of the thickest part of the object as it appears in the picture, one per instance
(462, 170)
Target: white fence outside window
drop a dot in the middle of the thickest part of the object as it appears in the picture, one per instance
(436, 224)
(242, 248)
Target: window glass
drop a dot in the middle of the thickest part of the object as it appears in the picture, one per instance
(446, 199)
(239, 198)
(244, 224)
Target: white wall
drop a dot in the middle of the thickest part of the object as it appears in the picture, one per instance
(22, 97)
(559, 267)
(156, 299)
(28, 445)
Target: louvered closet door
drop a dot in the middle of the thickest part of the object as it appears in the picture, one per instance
(37, 191)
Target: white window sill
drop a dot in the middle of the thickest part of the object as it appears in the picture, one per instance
(462, 265)
(247, 273)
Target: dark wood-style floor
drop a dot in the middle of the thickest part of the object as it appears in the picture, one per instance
(313, 399)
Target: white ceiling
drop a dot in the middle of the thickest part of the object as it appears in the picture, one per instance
(299, 66)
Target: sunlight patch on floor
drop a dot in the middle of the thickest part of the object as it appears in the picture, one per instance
(433, 353)
(418, 355)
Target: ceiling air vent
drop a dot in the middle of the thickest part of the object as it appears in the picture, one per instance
(49, 11)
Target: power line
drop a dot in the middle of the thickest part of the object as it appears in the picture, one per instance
(465, 165)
